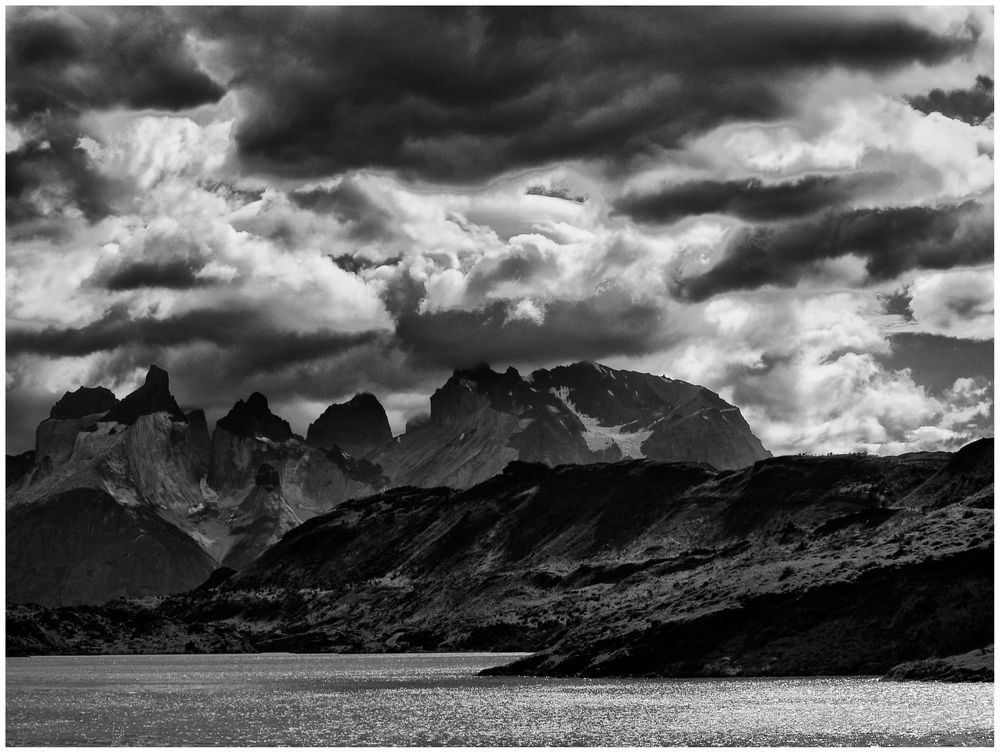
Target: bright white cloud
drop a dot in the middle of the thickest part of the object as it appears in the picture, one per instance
(955, 303)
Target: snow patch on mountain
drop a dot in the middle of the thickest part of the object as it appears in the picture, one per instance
(600, 437)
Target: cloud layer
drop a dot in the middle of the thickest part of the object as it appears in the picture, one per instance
(314, 201)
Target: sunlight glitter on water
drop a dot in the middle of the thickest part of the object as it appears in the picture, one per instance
(437, 699)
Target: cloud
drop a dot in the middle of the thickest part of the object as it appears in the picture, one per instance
(972, 105)
(751, 199)
(813, 372)
(365, 220)
(837, 129)
(382, 195)
(52, 180)
(460, 94)
(75, 59)
(177, 274)
(608, 324)
(890, 240)
(937, 361)
(957, 303)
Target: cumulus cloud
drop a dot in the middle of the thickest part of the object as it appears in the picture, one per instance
(957, 303)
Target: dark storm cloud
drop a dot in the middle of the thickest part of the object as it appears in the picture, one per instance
(178, 274)
(750, 199)
(79, 58)
(556, 192)
(62, 62)
(465, 93)
(970, 105)
(898, 303)
(258, 345)
(891, 241)
(358, 263)
(606, 325)
(54, 175)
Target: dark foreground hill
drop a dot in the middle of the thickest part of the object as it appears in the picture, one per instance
(796, 565)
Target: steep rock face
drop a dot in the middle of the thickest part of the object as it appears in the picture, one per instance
(201, 438)
(142, 479)
(357, 426)
(480, 421)
(260, 520)
(55, 438)
(73, 413)
(643, 415)
(152, 397)
(160, 464)
(313, 480)
(308, 480)
(18, 466)
(84, 547)
(584, 413)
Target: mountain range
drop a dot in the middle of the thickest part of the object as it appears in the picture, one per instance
(135, 497)
(844, 564)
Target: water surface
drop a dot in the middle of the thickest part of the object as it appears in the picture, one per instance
(436, 699)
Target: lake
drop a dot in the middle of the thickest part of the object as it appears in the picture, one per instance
(437, 699)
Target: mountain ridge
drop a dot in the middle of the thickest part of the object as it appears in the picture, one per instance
(145, 452)
(840, 564)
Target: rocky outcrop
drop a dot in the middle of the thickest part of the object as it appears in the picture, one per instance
(152, 397)
(201, 438)
(357, 427)
(260, 520)
(55, 438)
(972, 666)
(84, 401)
(253, 418)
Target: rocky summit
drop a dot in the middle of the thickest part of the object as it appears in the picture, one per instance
(356, 427)
(481, 420)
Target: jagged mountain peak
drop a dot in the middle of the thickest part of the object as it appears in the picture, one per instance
(152, 397)
(252, 418)
(357, 426)
(84, 401)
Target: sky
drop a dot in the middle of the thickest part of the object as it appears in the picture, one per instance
(792, 207)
